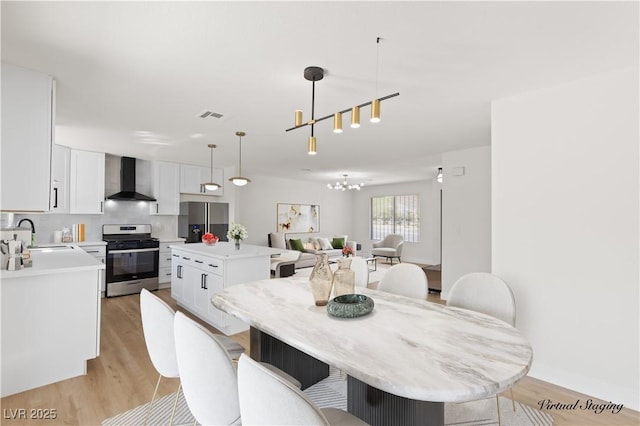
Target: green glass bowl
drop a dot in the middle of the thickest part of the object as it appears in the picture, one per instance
(350, 306)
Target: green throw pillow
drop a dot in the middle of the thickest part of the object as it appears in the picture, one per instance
(296, 244)
(338, 243)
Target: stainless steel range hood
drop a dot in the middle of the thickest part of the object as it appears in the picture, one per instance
(128, 183)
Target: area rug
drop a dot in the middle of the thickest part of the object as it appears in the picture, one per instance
(332, 392)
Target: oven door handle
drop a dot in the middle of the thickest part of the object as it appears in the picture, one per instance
(134, 250)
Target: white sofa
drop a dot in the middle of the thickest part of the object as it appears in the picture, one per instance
(311, 247)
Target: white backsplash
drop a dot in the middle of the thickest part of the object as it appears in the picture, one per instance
(115, 212)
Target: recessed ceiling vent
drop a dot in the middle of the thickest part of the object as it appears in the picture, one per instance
(210, 114)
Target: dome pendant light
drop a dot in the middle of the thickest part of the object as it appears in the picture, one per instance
(211, 185)
(240, 180)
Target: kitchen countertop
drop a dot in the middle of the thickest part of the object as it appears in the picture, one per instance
(170, 239)
(227, 250)
(77, 243)
(55, 260)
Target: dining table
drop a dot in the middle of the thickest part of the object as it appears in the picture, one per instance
(402, 361)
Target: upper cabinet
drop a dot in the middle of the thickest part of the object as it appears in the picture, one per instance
(165, 186)
(27, 131)
(86, 186)
(59, 198)
(192, 179)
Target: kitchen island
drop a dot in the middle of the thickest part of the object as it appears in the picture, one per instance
(50, 318)
(199, 272)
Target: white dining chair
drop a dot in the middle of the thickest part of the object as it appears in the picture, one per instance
(208, 374)
(157, 327)
(361, 271)
(405, 279)
(486, 293)
(268, 399)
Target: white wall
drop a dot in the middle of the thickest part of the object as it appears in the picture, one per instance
(425, 251)
(466, 214)
(256, 206)
(565, 229)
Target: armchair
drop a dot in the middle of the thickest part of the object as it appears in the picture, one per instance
(390, 247)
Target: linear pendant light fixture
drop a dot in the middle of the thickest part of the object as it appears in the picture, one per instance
(240, 180)
(211, 185)
(314, 74)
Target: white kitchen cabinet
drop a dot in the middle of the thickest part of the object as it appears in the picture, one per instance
(165, 269)
(201, 272)
(86, 186)
(59, 197)
(99, 251)
(27, 132)
(50, 319)
(165, 188)
(192, 179)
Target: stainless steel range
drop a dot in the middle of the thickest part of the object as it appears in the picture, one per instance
(132, 259)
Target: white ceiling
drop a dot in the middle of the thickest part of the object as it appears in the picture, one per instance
(133, 76)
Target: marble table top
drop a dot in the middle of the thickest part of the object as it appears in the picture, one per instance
(407, 347)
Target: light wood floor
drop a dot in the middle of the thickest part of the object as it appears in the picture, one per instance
(122, 377)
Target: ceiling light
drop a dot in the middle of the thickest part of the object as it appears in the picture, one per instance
(343, 186)
(211, 185)
(240, 180)
(312, 145)
(439, 175)
(375, 104)
(314, 74)
(355, 117)
(337, 122)
(375, 111)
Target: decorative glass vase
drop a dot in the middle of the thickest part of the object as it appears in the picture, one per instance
(321, 279)
(344, 278)
(237, 244)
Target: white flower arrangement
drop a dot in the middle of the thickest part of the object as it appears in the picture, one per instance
(237, 232)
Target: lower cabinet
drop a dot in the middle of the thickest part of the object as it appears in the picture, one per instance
(99, 251)
(164, 268)
(197, 278)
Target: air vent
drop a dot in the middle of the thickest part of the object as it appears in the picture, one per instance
(210, 114)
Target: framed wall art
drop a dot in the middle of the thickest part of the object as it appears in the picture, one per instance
(298, 218)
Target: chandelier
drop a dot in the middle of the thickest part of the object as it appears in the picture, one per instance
(343, 186)
(314, 74)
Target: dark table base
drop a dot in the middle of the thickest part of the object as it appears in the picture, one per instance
(372, 405)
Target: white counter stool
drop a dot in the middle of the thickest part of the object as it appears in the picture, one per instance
(268, 399)
(405, 279)
(486, 293)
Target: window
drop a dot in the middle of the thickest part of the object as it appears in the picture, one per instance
(396, 214)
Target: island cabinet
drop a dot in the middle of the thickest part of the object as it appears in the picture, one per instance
(165, 271)
(199, 272)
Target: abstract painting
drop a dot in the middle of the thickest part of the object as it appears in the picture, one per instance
(298, 218)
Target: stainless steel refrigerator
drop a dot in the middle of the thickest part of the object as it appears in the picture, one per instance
(196, 218)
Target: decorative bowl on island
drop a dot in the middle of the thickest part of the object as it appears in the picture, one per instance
(209, 239)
